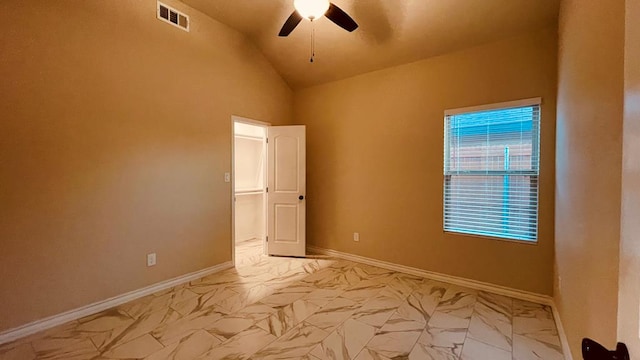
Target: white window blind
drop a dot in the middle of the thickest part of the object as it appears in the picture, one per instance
(491, 168)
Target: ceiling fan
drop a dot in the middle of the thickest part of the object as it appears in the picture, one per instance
(314, 9)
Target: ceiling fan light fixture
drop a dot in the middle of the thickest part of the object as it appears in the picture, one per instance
(311, 9)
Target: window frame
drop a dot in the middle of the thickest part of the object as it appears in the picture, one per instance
(534, 173)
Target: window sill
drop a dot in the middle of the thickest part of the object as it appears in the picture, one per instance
(487, 237)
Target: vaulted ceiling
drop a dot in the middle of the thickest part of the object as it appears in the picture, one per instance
(391, 32)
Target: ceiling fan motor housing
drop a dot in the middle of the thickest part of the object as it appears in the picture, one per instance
(311, 9)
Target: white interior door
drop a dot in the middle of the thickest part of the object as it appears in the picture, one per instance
(286, 187)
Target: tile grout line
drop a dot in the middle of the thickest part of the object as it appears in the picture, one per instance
(418, 338)
(466, 335)
(510, 323)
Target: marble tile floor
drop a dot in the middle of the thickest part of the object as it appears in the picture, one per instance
(313, 308)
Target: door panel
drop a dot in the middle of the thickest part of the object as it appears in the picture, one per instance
(286, 223)
(286, 191)
(286, 164)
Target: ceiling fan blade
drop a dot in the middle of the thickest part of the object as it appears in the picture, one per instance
(341, 18)
(290, 24)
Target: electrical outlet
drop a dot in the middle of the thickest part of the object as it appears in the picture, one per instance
(356, 236)
(151, 259)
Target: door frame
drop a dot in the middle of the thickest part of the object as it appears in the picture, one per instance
(248, 121)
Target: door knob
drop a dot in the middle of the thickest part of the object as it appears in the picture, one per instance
(301, 197)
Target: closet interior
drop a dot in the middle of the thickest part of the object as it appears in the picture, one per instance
(250, 181)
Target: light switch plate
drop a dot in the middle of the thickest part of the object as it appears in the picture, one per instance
(227, 177)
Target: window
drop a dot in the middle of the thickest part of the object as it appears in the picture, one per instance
(491, 168)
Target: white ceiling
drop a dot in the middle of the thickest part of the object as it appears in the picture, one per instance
(391, 32)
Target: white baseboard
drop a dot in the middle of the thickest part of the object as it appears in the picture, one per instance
(473, 284)
(59, 319)
(566, 350)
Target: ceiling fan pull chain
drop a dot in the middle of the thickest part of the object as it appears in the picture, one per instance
(313, 41)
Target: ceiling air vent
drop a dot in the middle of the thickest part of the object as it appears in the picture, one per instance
(173, 16)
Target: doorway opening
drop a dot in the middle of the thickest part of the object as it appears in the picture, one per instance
(268, 184)
(249, 189)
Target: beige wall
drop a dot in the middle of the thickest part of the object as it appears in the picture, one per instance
(590, 103)
(629, 294)
(115, 134)
(375, 160)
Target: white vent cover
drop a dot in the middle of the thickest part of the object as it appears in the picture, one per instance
(173, 16)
